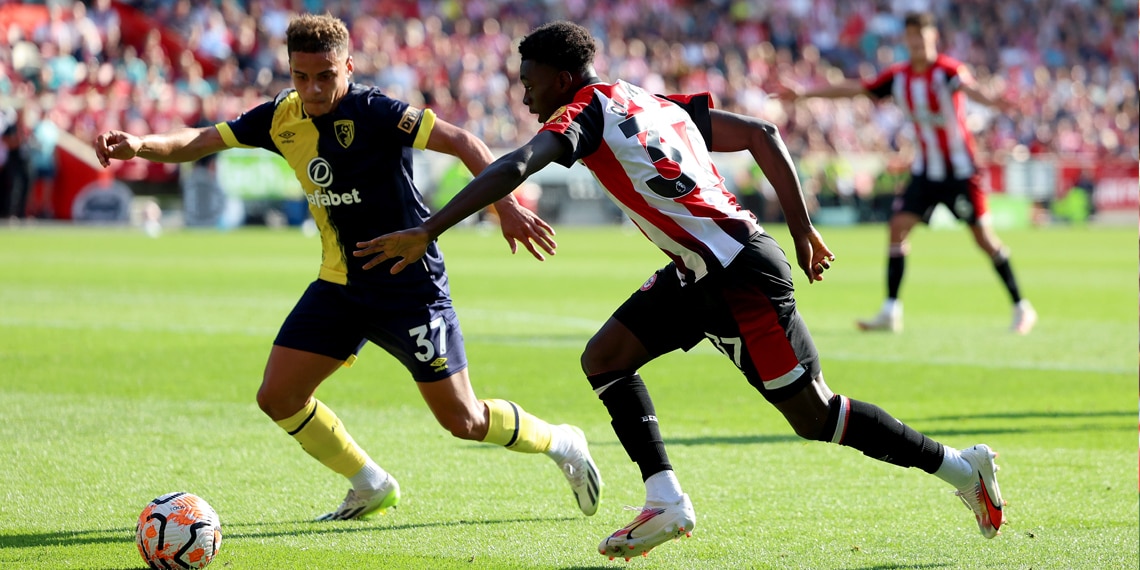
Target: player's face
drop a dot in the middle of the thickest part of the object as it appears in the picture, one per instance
(321, 79)
(545, 88)
(921, 42)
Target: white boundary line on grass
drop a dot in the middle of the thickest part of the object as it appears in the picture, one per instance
(541, 340)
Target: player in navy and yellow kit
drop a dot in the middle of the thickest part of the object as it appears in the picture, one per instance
(351, 148)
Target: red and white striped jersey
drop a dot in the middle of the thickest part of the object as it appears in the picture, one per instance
(651, 154)
(933, 102)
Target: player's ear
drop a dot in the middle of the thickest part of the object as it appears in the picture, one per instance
(565, 81)
(348, 65)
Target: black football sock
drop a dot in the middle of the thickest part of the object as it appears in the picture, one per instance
(1001, 265)
(873, 431)
(896, 265)
(633, 418)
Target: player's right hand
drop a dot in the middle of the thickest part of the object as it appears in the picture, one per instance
(116, 144)
(407, 246)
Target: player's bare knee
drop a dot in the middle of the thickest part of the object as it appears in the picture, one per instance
(463, 426)
(276, 405)
(597, 358)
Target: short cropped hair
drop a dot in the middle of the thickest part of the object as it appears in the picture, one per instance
(566, 46)
(919, 20)
(310, 33)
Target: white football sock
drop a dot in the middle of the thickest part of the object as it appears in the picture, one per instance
(891, 305)
(561, 442)
(662, 488)
(370, 477)
(955, 470)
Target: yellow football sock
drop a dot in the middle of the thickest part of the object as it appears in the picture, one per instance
(321, 435)
(515, 429)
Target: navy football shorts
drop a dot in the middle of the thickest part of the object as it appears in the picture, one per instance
(746, 311)
(336, 320)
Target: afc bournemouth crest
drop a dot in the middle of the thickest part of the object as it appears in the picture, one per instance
(345, 131)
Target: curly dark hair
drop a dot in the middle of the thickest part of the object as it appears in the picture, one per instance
(310, 33)
(566, 46)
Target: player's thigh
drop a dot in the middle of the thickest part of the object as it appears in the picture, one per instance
(660, 317)
(752, 319)
(291, 377)
(424, 337)
(318, 336)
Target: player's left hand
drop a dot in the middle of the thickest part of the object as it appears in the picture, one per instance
(813, 256)
(520, 225)
(408, 246)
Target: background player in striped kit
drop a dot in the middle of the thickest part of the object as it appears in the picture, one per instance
(931, 88)
(728, 280)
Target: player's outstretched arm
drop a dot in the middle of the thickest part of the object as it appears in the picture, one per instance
(843, 90)
(491, 185)
(970, 87)
(179, 145)
(732, 132)
(518, 224)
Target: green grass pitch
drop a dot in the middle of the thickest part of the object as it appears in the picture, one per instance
(128, 368)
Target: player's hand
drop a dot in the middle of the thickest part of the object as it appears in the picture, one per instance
(520, 225)
(1005, 105)
(408, 246)
(116, 144)
(813, 256)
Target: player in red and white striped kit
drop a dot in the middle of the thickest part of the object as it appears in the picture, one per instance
(727, 281)
(931, 89)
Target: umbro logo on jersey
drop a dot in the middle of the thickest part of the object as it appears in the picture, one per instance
(439, 364)
(286, 137)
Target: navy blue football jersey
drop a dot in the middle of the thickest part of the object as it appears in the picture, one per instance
(355, 165)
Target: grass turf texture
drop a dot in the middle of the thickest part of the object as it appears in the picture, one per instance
(128, 368)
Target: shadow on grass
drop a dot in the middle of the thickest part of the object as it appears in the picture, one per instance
(902, 566)
(1031, 415)
(233, 531)
(67, 538)
(342, 527)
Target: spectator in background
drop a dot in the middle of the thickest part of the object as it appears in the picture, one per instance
(43, 139)
(15, 183)
(1066, 61)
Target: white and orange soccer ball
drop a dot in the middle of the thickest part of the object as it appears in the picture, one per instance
(178, 531)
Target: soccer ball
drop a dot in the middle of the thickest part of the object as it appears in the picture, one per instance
(178, 531)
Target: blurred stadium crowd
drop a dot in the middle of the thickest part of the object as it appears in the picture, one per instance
(1070, 64)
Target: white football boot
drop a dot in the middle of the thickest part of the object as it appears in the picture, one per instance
(889, 318)
(359, 504)
(983, 496)
(654, 525)
(581, 472)
(1024, 317)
